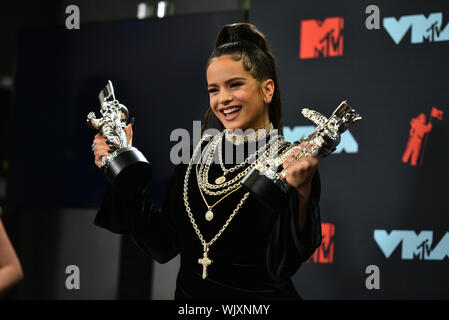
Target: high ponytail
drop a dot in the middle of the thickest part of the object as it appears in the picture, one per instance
(243, 41)
(241, 32)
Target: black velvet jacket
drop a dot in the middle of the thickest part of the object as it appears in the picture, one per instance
(255, 256)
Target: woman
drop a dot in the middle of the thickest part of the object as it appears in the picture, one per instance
(231, 246)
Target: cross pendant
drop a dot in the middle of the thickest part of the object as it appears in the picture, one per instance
(205, 261)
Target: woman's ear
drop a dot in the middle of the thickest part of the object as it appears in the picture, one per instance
(268, 90)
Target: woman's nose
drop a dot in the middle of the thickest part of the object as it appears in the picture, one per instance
(225, 96)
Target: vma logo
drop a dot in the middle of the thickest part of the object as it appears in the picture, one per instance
(325, 252)
(347, 143)
(424, 29)
(413, 246)
(320, 38)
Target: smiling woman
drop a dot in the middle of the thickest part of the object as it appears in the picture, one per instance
(237, 99)
(242, 80)
(231, 245)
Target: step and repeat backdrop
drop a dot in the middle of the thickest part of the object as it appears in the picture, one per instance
(385, 190)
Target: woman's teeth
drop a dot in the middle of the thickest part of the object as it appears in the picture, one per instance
(227, 111)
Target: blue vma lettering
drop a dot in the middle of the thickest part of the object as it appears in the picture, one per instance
(413, 246)
(429, 29)
(347, 143)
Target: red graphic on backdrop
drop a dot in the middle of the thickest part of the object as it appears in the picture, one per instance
(419, 129)
(325, 252)
(321, 38)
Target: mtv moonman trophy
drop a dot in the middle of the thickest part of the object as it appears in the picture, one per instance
(126, 167)
(264, 180)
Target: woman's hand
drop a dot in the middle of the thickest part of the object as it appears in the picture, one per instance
(300, 171)
(299, 174)
(103, 148)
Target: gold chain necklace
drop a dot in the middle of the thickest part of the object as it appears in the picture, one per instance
(205, 261)
(259, 134)
(209, 214)
(233, 183)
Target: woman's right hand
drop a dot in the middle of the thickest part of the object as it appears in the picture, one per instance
(103, 148)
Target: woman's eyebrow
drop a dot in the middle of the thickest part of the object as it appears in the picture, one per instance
(227, 81)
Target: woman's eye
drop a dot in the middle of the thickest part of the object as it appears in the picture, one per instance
(212, 90)
(236, 84)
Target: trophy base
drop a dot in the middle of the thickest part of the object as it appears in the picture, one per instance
(273, 194)
(129, 170)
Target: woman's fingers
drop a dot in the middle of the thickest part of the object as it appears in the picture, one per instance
(102, 152)
(100, 140)
(129, 134)
(291, 158)
(298, 170)
(101, 148)
(98, 161)
(99, 153)
(100, 143)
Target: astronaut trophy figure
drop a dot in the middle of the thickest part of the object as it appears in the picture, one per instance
(126, 167)
(264, 180)
(112, 122)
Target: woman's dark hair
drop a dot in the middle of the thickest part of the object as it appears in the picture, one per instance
(244, 42)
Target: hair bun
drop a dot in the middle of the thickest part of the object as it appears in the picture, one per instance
(241, 32)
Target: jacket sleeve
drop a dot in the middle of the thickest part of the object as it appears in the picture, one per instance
(152, 228)
(289, 246)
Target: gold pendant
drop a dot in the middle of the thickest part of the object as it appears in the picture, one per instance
(209, 215)
(205, 262)
(220, 180)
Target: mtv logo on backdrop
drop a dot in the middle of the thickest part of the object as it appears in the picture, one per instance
(321, 38)
(325, 252)
(413, 246)
(347, 144)
(428, 29)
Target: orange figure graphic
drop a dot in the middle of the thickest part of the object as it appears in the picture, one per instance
(418, 130)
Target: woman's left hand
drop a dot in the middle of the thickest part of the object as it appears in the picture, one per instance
(300, 172)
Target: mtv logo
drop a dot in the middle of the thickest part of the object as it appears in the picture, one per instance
(325, 252)
(321, 38)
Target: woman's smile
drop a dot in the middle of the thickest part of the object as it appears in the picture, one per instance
(231, 113)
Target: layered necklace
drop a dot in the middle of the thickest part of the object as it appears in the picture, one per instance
(222, 184)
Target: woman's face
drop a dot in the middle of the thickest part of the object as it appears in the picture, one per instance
(237, 99)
